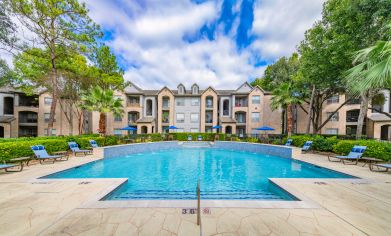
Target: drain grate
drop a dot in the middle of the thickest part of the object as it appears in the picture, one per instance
(84, 182)
(40, 183)
(320, 183)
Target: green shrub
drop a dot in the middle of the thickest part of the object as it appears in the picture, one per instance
(375, 148)
(11, 150)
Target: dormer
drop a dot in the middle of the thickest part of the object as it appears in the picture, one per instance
(195, 89)
(181, 89)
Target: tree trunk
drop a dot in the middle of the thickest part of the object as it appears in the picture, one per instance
(102, 123)
(71, 120)
(363, 113)
(283, 121)
(310, 110)
(289, 120)
(54, 93)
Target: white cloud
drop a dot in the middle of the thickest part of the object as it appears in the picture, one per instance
(280, 25)
(149, 36)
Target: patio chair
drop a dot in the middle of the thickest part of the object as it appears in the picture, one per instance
(76, 150)
(6, 167)
(189, 138)
(41, 155)
(307, 146)
(354, 155)
(288, 142)
(386, 166)
(94, 144)
(199, 138)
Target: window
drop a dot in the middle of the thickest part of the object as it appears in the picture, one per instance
(180, 117)
(209, 102)
(256, 99)
(118, 118)
(48, 101)
(332, 131)
(194, 117)
(195, 102)
(255, 117)
(181, 89)
(254, 131)
(333, 99)
(46, 116)
(195, 89)
(54, 132)
(166, 103)
(194, 130)
(335, 117)
(116, 97)
(180, 102)
(180, 130)
(149, 107)
(117, 132)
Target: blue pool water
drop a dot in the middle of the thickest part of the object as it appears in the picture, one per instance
(223, 174)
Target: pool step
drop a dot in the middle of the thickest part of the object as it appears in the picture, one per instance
(234, 194)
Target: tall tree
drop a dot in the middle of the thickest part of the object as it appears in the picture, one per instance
(346, 26)
(282, 77)
(107, 70)
(56, 24)
(102, 101)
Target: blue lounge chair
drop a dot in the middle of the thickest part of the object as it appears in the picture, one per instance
(94, 144)
(76, 150)
(354, 155)
(6, 167)
(288, 142)
(41, 155)
(199, 137)
(385, 166)
(307, 146)
(189, 138)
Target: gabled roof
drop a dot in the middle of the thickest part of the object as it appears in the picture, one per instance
(165, 87)
(245, 84)
(132, 88)
(210, 87)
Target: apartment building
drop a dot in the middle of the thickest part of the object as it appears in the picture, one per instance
(344, 122)
(23, 115)
(238, 111)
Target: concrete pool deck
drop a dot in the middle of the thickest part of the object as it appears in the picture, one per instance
(31, 206)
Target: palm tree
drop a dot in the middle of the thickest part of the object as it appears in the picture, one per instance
(372, 71)
(372, 68)
(102, 101)
(285, 97)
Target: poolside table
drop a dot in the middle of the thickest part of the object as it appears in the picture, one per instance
(371, 160)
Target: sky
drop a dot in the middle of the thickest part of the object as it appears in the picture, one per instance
(220, 43)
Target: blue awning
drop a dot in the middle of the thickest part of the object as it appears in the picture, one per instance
(265, 128)
(129, 128)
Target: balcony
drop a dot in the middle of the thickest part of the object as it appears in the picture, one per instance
(28, 118)
(28, 101)
(240, 118)
(133, 101)
(352, 116)
(241, 102)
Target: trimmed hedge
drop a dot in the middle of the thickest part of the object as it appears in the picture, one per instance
(375, 148)
(21, 147)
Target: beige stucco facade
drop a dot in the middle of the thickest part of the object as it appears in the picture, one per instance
(237, 111)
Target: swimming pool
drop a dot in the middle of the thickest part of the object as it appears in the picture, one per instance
(174, 173)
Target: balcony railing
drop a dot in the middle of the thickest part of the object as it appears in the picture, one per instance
(352, 119)
(133, 104)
